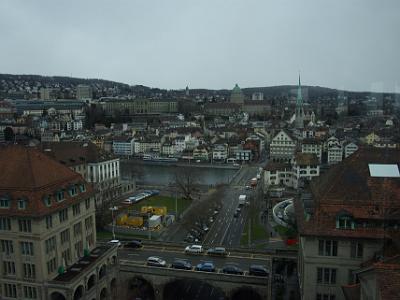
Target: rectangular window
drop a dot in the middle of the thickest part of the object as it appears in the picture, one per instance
(78, 229)
(88, 223)
(87, 202)
(63, 215)
(325, 297)
(29, 270)
(356, 250)
(5, 224)
(25, 225)
(8, 268)
(10, 290)
(73, 191)
(60, 196)
(30, 292)
(50, 244)
(66, 256)
(49, 222)
(26, 248)
(64, 236)
(4, 203)
(82, 188)
(327, 247)
(21, 204)
(7, 247)
(78, 248)
(51, 265)
(326, 275)
(76, 209)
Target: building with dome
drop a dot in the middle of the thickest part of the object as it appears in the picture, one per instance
(237, 95)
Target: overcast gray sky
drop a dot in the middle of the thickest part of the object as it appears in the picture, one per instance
(349, 44)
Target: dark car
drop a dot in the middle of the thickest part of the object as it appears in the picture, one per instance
(217, 251)
(206, 266)
(133, 244)
(258, 270)
(181, 264)
(232, 269)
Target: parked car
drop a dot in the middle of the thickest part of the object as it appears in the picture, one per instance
(258, 270)
(217, 251)
(134, 244)
(182, 264)
(206, 266)
(194, 249)
(156, 261)
(232, 269)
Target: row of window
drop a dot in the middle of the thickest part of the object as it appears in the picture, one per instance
(29, 292)
(330, 248)
(29, 270)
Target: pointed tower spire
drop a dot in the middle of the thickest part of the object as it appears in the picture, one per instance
(299, 95)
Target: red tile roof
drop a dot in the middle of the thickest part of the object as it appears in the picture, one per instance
(349, 187)
(28, 173)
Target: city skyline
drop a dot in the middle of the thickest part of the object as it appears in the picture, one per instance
(210, 45)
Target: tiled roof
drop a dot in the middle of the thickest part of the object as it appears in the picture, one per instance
(75, 153)
(27, 173)
(349, 187)
(306, 159)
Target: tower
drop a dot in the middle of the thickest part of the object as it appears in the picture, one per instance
(237, 95)
(299, 121)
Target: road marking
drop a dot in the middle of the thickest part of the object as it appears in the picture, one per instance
(133, 254)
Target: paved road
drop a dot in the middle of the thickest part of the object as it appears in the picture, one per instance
(227, 230)
(243, 261)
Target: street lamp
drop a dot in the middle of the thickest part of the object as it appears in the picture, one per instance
(114, 208)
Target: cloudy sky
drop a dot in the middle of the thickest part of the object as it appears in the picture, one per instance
(348, 44)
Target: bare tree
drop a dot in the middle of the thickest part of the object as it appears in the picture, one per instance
(187, 183)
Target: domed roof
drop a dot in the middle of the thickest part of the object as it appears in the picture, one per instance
(236, 89)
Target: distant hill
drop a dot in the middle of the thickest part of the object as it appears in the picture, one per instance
(29, 85)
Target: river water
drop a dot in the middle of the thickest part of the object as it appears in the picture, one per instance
(153, 174)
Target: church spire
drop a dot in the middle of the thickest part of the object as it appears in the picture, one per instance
(299, 95)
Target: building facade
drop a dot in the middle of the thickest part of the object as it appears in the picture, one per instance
(282, 147)
(48, 232)
(345, 220)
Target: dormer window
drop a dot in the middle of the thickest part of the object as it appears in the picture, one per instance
(344, 220)
(82, 187)
(5, 202)
(46, 200)
(60, 195)
(22, 203)
(72, 190)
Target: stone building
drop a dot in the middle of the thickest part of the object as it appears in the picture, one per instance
(48, 232)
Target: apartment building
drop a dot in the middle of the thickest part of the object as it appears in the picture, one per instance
(123, 146)
(48, 235)
(282, 147)
(349, 148)
(98, 167)
(349, 214)
(311, 145)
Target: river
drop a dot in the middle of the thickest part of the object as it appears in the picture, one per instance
(156, 174)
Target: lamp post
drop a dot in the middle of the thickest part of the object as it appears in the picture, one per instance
(114, 208)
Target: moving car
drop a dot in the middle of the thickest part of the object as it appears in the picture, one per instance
(181, 264)
(156, 261)
(258, 270)
(232, 269)
(133, 244)
(217, 251)
(194, 249)
(206, 266)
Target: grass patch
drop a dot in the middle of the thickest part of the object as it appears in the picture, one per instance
(285, 232)
(158, 200)
(257, 230)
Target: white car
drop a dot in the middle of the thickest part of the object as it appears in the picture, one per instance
(115, 242)
(156, 261)
(194, 249)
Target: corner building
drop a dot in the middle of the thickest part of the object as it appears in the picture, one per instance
(48, 233)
